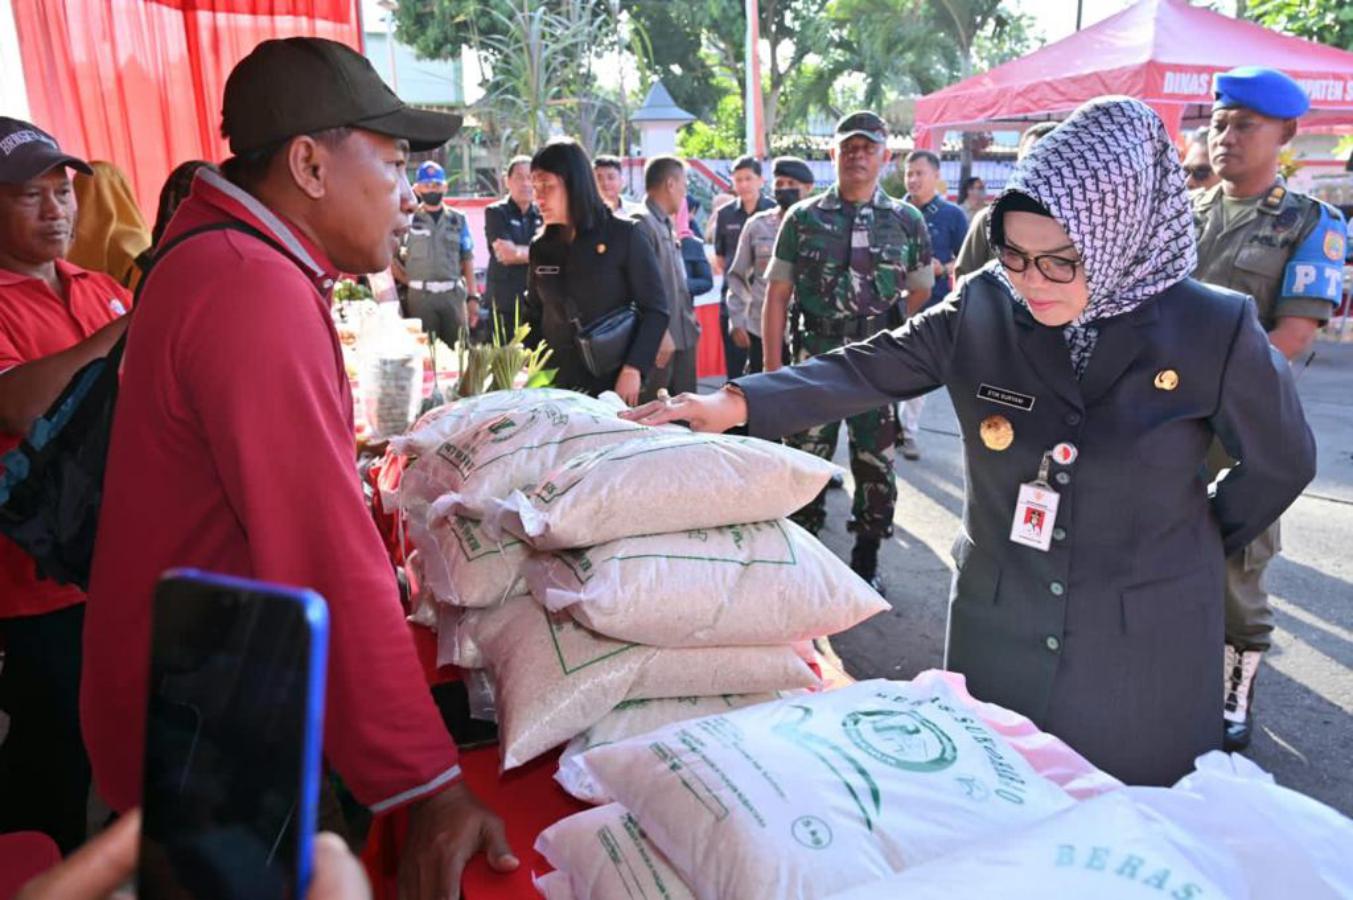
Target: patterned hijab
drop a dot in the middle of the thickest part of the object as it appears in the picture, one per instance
(1110, 175)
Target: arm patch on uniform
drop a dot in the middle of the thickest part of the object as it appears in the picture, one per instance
(1316, 269)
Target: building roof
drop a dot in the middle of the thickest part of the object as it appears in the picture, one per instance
(660, 107)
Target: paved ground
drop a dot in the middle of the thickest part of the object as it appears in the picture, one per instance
(1305, 689)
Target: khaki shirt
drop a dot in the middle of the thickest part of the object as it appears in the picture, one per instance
(1287, 252)
(433, 247)
(746, 275)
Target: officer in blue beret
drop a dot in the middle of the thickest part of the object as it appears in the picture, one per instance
(436, 261)
(1285, 249)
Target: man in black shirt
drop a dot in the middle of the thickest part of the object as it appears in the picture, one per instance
(509, 226)
(747, 184)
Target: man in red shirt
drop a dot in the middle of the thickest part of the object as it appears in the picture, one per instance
(232, 449)
(54, 318)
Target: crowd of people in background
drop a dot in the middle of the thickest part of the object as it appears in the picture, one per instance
(609, 282)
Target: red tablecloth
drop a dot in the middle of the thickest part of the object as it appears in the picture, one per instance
(527, 798)
(709, 361)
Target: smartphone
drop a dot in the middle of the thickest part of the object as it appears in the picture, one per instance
(234, 725)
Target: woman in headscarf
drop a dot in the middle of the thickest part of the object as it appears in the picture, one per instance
(110, 233)
(1089, 374)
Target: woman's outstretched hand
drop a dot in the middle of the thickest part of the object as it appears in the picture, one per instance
(716, 412)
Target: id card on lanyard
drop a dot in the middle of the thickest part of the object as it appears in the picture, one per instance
(1036, 510)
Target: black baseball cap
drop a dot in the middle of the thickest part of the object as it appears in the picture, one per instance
(862, 124)
(26, 151)
(301, 85)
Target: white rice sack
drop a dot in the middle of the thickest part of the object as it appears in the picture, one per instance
(635, 717)
(555, 679)
(605, 855)
(517, 447)
(1284, 843)
(763, 583)
(1107, 848)
(808, 796)
(659, 483)
(553, 886)
(461, 564)
(447, 421)
(455, 641)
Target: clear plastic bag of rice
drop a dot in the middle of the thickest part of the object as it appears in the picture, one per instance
(554, 679)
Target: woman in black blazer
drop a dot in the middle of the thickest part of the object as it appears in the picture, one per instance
(1090, 374)
(589, 259)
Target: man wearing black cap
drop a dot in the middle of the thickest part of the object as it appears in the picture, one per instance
(234, 434)
(849, 256)
(728, 224)
(54, 318)
(746, 274)
(1286, 250)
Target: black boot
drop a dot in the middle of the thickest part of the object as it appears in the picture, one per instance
(864, 561)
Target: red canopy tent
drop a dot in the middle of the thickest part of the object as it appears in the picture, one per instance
(1163, 52)
(138, 82)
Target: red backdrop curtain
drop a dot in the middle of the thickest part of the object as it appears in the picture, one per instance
(138, 83)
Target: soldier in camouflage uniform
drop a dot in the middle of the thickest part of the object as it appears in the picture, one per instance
(848, 257)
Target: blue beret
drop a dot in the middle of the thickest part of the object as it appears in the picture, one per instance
(1266, 91)
(429, 172)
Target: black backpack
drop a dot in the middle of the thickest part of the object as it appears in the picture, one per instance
(52, 486)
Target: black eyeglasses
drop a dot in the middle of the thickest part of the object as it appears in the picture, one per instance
(1198, 173)
(1052, 267)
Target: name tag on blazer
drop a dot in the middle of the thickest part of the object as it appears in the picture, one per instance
(1006, 397)
(547, 270)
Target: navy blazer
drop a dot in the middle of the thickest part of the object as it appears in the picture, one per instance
(1113, 638)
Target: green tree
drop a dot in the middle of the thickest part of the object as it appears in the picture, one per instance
(722, 139)
(696, 44)
(1324, 21)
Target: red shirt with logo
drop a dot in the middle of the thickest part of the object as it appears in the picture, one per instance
(35, 322)
(233, 451)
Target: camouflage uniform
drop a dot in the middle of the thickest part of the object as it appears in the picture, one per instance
(850, 266)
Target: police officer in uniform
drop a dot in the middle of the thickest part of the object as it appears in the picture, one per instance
(745, 276)
(729, 220)
(509, 227)
(1089, 375)
(437, 261)
(849, 256)
(1285, 250)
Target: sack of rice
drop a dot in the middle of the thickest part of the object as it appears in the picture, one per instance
(1108, 848)
(1049, 755)
(808, 796)
(555, 679)
(455, 645)
(659, 483)
(445, 422)
(605, 855)
(517, 447)
(1283, 843)
(462, 565)
(763, 583)
(635, 717)
(553, 886)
